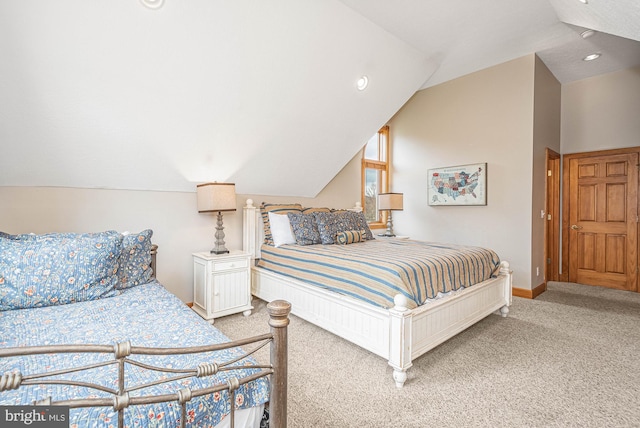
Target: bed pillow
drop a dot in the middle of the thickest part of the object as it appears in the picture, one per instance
(330, 224)
(281, 229)
(312, 210)
(304, 229)
(360, 223)
(265, 209)
(135, 259)
(58, 268)
(350, 237)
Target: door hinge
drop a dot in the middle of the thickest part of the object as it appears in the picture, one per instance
(549, 261)
(548, 173)
(548, 216)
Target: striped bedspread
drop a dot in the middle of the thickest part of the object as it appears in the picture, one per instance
(375, 271)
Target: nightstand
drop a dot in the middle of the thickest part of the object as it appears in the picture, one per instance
(221, 284)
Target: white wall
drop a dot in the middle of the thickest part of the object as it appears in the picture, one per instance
(486, 116)
(601, 112)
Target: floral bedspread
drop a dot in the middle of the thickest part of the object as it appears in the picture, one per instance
(146, 315)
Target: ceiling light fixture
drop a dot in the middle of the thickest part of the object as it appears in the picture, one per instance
(591, 57)
(362, 83)
(587, 33)
(152, 4)
(584, 1)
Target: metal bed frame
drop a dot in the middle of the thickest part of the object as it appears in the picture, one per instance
(122, 352)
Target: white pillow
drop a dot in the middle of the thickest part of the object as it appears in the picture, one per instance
(281, 229)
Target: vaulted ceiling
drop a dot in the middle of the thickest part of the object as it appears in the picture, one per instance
(112, 94)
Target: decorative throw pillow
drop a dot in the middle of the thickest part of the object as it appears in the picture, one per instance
(304, 229)
(135, 259)
(265, 209)
(58, 268)
(360, 223)
(281, 229)
(330, 224)
(350, 237)
(312, 210)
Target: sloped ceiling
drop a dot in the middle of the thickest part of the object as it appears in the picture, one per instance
(111, 94)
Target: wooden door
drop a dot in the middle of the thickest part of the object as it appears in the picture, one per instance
(603, 215)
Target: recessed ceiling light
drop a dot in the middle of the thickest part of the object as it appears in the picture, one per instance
(362, 83)
(152, 4)
(584, 1)
(591, 57)
(587, 33)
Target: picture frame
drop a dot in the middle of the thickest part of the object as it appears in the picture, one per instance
(458, 185)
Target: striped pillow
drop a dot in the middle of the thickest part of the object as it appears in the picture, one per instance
(265, 209)
(312, 210)
(350, 237)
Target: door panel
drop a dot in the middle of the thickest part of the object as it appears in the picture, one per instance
(603, 200)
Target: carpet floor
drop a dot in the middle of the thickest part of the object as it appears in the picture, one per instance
(569, 358)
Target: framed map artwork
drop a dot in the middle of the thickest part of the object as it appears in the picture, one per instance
(458, 185)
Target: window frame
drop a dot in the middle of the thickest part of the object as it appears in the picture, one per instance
(383, 166)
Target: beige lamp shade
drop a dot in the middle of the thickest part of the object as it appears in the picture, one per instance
(390, 201)
(216, 197)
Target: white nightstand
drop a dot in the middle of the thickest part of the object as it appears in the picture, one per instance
(221, 284)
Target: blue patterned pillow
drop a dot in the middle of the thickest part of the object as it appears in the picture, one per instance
(350, 237)
(304, 228)
(58, 268)
(330, 224)
(360, 223)
(135, 260)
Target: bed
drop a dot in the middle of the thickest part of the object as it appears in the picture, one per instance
(117, 348)
(400, 322)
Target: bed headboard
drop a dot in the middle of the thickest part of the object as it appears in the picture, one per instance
(154, 251)
(253, 229)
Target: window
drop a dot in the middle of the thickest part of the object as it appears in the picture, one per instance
(375, 176)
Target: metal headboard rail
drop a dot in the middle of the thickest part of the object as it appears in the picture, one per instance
(277, 369)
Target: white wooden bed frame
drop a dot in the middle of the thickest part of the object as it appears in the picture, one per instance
(399, 334)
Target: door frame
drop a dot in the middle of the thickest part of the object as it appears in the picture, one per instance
(552, 225)
(566, 158)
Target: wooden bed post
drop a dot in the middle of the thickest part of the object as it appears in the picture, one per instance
(400, 339)
(249, 233)
(505, 269)
(279, 313)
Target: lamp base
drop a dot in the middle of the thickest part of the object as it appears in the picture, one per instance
(219, 247)
(387, 235)
(214, 251)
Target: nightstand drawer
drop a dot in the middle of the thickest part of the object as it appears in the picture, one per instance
(234, 264)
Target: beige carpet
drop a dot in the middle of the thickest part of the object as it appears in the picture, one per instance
(571, 357)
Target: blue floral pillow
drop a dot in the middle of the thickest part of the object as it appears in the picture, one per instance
(360, 223)
(304, 228)
(57, 268)
(135, 260)
(330, 224)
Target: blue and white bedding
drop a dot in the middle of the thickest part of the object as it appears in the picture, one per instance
(376, 270)
(147, 315)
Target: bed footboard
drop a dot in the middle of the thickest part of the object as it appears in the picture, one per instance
(122, 352)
